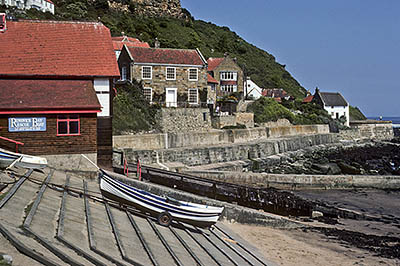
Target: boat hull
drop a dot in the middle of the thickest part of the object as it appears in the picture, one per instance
(195, 214)
(21, 160)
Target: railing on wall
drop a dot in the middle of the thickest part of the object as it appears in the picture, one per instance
(13, 141)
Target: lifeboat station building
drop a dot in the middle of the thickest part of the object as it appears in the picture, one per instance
(56, 91)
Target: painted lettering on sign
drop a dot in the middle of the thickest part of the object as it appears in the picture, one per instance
(20, 124)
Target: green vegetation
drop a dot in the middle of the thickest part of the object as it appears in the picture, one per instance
(356, 114)
(132, 112)
(298, 113)
(212, 40)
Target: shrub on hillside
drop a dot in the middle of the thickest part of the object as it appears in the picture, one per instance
(267, 109)
(132, 112)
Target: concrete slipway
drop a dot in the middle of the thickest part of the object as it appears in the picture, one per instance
(43, 223)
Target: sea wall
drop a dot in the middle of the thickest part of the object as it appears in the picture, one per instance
(292, 181)
(211, 137)
(368, 129)
(175, 120)
(192, 156)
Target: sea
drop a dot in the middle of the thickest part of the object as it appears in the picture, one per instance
(395, 119)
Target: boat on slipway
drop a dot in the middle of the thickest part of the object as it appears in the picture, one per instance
(9, 159)
(164, 208)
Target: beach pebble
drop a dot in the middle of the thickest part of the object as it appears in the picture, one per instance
(316, 214)
(6, 258)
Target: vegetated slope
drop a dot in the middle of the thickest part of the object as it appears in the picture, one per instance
(212, 40)
(356, 114)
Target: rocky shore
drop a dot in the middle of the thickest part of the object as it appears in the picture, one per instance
(371, 158)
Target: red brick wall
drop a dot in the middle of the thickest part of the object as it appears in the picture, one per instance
(47, 142)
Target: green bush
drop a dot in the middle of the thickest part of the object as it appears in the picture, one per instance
(267, 109)
(132, 112)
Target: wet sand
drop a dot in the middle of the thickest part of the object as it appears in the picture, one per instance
(373, 240)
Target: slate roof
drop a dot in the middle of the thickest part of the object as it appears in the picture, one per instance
(47, 95)
(57, 48)
(333, 99)
(210, 79)
(214, 62)
(166, 56)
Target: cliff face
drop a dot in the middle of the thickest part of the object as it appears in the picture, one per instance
(155, 8)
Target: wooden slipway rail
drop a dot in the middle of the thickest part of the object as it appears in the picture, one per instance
(268, 199)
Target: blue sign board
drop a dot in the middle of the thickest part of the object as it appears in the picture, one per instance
(20, 124)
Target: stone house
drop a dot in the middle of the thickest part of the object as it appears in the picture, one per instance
(170, 77)
(228, 74)
(334, 103)
(56, 90)
(42, 5)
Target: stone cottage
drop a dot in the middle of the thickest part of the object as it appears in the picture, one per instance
(170, 77)
(228, 74)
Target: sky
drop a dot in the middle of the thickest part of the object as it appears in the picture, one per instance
(346, 46)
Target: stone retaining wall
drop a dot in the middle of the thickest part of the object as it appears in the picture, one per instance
(291, 181)
(192, 156)
(211, 137)
(368, 129)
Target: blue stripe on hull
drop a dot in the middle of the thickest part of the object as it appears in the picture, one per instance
(124, 189)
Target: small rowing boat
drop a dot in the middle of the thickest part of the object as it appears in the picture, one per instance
(9, 159)
(164, 208)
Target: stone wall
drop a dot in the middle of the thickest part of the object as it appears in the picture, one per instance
(208, 137)
(177, 120)
(368, 129)
(291, 181)
(230, 152)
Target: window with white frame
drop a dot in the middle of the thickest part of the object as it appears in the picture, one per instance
(123, 73)
(229, 88)
(170, 73)
(148, 94)
(193, 96)
(147, 72)
(193, 74)
(228, 75)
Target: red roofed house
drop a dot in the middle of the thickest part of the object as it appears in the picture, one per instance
(118, 43)
(56, 90)
(228, 74)
(277, 94)
(169, 76)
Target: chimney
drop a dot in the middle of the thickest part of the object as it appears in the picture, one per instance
(3, 25)
(157, 44)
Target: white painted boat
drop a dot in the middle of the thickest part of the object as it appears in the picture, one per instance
(8, 159)
(164, 208)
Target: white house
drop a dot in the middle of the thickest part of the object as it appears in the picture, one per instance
(42, 5)
(334, 103)
(251, 89)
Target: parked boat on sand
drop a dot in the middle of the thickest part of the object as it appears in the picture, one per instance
(164, 208)
(9, 159)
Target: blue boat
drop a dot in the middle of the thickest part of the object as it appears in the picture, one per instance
(9, 159)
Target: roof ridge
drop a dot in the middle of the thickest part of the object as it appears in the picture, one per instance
(59, 21)
(175, 49)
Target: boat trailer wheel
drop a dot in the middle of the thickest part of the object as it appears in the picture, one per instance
(164, 219)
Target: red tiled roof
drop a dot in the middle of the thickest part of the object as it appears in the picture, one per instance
(274, 93)
(308, 99)
(214, 62)
(210, 79)
(47, 95)
(166, 56)
(49, 1)
(118, 42)
(50, 48)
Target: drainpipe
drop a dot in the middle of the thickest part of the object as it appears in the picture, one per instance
(163, 166)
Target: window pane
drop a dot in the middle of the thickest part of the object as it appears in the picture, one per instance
(73, 127)
(62, 127)
(170, 73)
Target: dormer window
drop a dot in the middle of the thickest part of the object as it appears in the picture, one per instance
(147, 72)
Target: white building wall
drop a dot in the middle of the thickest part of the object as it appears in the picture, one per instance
(42, 5)
(102, 88)
(251, 89)
(338, 111)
